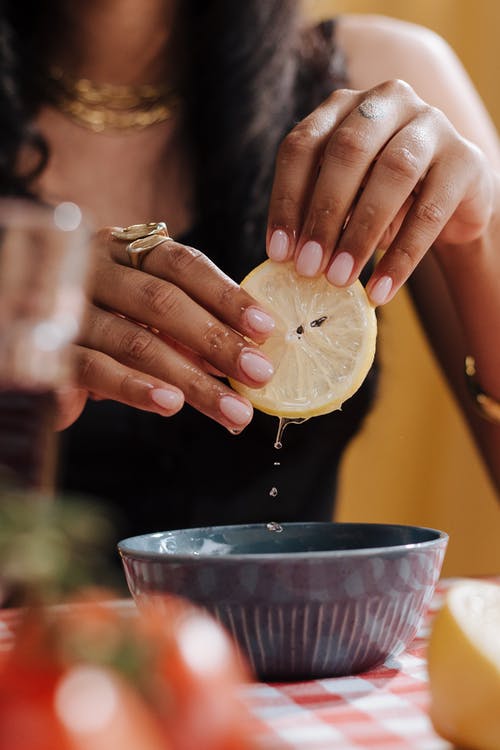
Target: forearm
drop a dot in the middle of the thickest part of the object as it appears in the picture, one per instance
(456, 290)
(472, 276)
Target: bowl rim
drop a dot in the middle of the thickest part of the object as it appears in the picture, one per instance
(126, 549)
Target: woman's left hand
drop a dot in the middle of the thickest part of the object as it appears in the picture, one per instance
(370, 170)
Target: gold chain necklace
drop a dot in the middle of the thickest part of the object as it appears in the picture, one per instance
(109, 107)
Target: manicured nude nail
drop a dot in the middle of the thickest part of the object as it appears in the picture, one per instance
(381, 290)
(166, 399)
(278, 245)
(260, 321)
(235, 410)
(255, 366)
(309, 260)
(341, 269)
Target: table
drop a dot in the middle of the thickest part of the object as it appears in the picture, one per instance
(384, 709)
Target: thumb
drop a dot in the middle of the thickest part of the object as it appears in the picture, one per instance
(70, 404)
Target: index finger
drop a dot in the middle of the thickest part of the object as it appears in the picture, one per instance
(297, 165)
(203, 281)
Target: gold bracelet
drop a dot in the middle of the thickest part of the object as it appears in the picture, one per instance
(487, 406)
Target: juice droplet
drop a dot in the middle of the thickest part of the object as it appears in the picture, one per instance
(275, 527)
(282, 423)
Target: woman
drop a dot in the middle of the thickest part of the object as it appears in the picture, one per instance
(348, 137)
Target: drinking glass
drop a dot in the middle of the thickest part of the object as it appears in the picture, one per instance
(43, 275)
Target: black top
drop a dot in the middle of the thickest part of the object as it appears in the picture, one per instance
(186, 470)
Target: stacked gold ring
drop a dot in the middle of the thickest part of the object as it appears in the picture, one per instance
(142, 238)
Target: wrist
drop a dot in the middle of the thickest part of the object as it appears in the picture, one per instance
(460, 259)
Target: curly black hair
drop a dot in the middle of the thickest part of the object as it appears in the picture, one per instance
(254, 73)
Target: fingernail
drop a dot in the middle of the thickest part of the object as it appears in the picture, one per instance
(166, 399)
(259, 320)
(235, 410)
(278, 245)
(309, 260)
(341, 269)
(255, 366)
(381, 290)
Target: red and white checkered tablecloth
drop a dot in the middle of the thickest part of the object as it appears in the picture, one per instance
(384, 709)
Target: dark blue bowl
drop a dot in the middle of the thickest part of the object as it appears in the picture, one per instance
(316, 600)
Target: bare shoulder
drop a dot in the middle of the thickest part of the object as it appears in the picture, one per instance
(379, 48)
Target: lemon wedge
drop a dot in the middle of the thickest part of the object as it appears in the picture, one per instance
(464, 666)
(323, 345)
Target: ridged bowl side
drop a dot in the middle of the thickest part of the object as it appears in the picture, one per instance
(304, 618)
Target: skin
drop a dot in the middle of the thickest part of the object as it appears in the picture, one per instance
(406, 161)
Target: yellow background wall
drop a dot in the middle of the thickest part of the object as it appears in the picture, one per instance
(414, 461)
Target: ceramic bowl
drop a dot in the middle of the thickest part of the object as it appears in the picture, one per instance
(315, 600)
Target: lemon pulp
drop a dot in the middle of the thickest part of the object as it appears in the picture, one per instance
(323, 345)
(464, 666)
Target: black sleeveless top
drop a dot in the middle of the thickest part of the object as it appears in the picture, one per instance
(159, 473)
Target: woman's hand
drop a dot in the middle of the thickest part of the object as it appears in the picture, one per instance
(161, 335)
(369, 170)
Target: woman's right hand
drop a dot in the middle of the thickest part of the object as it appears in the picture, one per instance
(156, 337)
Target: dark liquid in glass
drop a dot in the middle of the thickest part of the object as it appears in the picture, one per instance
(27, 440)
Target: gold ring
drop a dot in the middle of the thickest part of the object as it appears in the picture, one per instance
(142, 239)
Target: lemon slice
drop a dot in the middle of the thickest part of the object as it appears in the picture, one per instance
(464, 666)
(323, 345)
